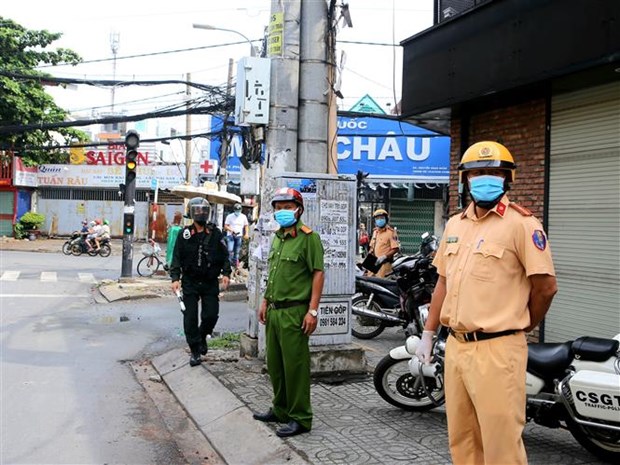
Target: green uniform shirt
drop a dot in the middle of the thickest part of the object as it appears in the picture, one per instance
(173, 232)
(293, 258)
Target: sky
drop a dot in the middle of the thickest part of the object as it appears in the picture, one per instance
(146, 27)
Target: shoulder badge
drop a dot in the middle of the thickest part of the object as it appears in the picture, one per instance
(522, 210)
(306, 230)
(539, 239)
(186, 233)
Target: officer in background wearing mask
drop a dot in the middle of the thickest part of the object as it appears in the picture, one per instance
(384, 243)
(496, 282)
(200, 256)
(289, 310)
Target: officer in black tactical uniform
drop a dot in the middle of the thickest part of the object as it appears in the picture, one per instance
(200, 256)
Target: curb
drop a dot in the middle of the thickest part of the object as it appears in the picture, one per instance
(221, 416)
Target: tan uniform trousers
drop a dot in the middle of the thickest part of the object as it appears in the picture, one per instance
(384, 270)
(485, 400)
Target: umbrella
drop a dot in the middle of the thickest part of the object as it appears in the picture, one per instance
(212, 195)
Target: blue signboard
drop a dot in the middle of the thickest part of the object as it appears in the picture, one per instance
(392, 149)
(385, 148)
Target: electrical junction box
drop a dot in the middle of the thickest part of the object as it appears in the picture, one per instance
(252, 91)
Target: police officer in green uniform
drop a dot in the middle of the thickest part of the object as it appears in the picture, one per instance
(289, 311)
(200, 256)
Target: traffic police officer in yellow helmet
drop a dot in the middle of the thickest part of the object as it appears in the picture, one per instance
(495, 169)
(496, 282)
(384, 243)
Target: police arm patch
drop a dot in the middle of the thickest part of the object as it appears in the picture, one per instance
(186, 234)
(539, 239)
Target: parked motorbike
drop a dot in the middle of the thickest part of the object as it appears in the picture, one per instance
(401, 299)
(81, 247)
(573, 385)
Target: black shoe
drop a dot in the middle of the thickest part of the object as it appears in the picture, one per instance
(292, 428)
(195, 359)
(268, 416)
(204, 348)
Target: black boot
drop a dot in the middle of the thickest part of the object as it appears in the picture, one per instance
(195, 359)
(204, 348)
(292, 428)
(268, 416)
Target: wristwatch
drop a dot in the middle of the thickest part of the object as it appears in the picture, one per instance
(313, 312)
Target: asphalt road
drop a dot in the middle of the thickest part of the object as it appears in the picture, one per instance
(68, 394)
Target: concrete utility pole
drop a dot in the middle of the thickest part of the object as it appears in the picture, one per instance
(281, 140)
(222, 179)
(188, 130)
(314, 89)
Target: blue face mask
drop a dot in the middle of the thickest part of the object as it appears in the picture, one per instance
(380, 222)
(285, 218)
(486, 188)
(237, 213)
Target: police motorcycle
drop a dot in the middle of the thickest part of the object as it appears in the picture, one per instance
(398, 299)
(573, 385)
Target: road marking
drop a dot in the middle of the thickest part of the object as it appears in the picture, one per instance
(86, 278)
(10, 276)
(49, 276)
(33, 296)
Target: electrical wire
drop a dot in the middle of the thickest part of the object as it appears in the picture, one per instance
(143, 55)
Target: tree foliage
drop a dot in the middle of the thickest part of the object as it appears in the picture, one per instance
(26, 101)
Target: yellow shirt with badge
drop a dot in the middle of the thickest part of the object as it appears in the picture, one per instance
(383, 240)
(486, 262)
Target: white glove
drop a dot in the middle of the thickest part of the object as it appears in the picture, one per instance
(423, 352)
(381, 260)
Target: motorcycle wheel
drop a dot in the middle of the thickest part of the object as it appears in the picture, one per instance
(148, 266)
(105, 250)
(397, 386)
(364, 327)
(66, 248)
(605, 444)
(76, 249)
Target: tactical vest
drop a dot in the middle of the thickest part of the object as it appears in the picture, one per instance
(203, 257)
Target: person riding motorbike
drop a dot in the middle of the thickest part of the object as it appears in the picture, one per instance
(102, 234)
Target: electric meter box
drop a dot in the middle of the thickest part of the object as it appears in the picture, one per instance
(252, 91)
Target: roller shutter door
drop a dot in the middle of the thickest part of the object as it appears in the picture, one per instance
(411, 219)
(584, 214)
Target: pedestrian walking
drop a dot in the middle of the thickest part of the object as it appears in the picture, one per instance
(289, 310)
(384, 243)
(200, 256)
(363, 239)
(496, 282)
(236, 228)
(173, 233)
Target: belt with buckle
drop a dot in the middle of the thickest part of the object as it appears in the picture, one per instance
(479, 335)
(288, 304)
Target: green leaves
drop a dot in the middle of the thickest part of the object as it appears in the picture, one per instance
(26, 101)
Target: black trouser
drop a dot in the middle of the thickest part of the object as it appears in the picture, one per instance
(207, 292)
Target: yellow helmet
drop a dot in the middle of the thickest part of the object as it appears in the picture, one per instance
(380, 212)
(487, 154)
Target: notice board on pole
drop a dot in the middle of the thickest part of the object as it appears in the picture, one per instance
(330, 206)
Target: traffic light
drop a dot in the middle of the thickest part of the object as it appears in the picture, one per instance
(132, 141)
(128, 223)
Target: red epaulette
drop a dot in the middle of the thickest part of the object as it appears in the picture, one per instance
(306, 230)
(522, 210)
